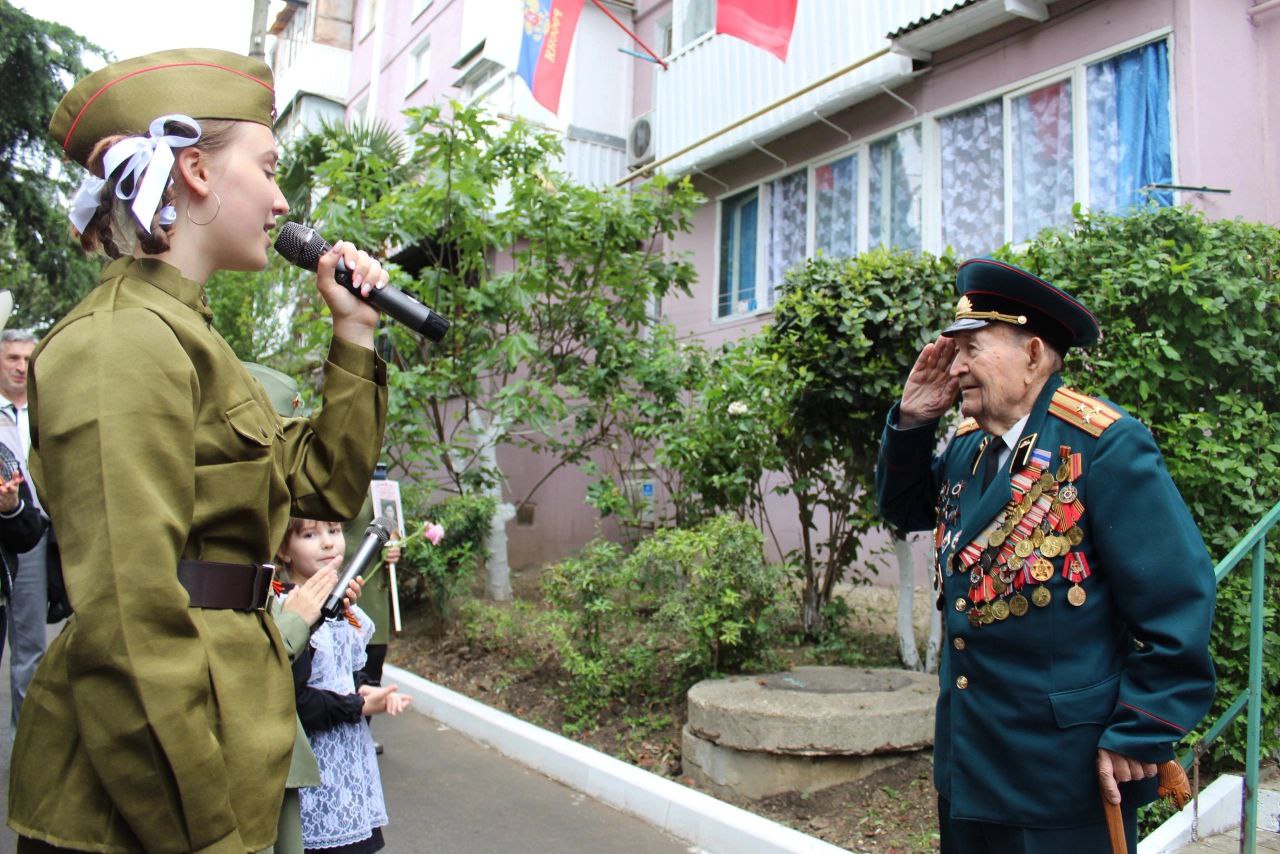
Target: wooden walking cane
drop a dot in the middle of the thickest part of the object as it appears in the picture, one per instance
(1173, 785)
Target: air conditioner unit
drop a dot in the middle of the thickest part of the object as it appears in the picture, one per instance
(642, 139)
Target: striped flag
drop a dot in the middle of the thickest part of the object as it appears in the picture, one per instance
(544, 49)
(763, 23)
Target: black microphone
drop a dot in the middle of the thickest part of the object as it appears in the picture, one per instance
(303, 246)
(375, 537)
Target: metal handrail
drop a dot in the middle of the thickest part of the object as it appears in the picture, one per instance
(1255, 543)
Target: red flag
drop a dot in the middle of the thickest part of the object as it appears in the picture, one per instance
(763, 23)
(544, 50)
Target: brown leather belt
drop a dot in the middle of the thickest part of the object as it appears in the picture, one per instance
(230, 586)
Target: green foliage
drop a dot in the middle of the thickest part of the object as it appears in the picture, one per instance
(1188, 309)
(448, 569)
(37, 58)
(702, 599)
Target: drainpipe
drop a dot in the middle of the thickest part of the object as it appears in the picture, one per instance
(869, 58)
(1267, 6)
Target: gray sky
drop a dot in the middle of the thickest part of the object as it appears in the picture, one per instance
(133, 27)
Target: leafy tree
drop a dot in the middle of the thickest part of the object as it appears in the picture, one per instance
(549, 286)
(37, 59)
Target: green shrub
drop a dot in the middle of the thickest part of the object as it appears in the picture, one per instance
(447, 570)
(1189, 310)
(686, 604)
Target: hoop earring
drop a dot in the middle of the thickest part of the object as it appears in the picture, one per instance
(216, 211)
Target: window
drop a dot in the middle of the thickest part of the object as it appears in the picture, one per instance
(1000, 170)
(665, 40)
(788, 207)
(972, 148)
(1130, 143)
(419, 63)
(419, 6)
(1043, 160)
(835, 207)
(696, 19)
(896, 178)
(738, 216)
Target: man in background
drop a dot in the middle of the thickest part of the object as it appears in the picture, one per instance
(28, 603)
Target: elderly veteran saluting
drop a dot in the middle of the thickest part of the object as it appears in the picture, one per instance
(162, 717)
(1076, 590)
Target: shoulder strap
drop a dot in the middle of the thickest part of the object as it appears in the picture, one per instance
(1082, 411)
(966, 426)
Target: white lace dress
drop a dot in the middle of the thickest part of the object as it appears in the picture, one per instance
(348, 805)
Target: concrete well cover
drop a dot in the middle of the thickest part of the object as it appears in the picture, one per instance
(817, 711)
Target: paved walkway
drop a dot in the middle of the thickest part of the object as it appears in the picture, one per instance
(1230, 842)
(448, 795)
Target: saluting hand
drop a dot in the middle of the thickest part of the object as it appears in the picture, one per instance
(307, 598)
(1114, 769)
(930, 390)
(354, 319)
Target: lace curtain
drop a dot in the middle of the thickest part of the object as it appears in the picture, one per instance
(1043, 164)
(1130, 144)
(896, 178)
(835, 207)
(788, 208)
(973, 178)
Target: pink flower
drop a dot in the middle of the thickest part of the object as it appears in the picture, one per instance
(433, 532)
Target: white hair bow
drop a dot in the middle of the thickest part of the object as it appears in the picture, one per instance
(147, 162)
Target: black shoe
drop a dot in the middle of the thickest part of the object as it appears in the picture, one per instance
(377, 747)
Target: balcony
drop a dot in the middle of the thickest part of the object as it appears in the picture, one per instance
(718, 80)
(315, 69)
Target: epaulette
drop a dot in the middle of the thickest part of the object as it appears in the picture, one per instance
(966, 426)
(1080, 410)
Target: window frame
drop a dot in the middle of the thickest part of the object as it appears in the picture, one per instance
(931, 151)
(418, 74)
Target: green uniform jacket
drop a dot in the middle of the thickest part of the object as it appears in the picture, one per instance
(375, 599)
(1026, 700)
(296, 634)
(151, 725)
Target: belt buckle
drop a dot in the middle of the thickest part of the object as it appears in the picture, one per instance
(270, 585)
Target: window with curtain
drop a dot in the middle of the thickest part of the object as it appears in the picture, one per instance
(835, 207)
(697, 18)
(972, 143)
(1043, 161)
(896, 173)
(787, 235)
(738, 226)
(1130, 144)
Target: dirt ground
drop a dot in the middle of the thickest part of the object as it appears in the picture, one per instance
(891, 812)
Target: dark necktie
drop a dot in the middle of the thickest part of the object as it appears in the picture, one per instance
(991, 461)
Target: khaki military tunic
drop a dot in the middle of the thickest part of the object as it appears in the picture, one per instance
(151, 725)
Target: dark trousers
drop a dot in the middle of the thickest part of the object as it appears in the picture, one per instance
(375, 655)
(960, 836)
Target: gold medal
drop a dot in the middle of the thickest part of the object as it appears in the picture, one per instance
(987, 617)
(1041, 596)
(1076, 595)
(1015, 515)
(1041, 570)
(1018, 605)
(1015, 562)
(998, 585)
(1035, 491)
(1063, 472)
(1046, 481)
(1023, 549)
(1049, 548)
(1037, 537)
(1000, 609)
(1025, 504)
(1075, 535)
(996, 537)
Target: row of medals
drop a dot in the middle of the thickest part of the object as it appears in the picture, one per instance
(1037, 549)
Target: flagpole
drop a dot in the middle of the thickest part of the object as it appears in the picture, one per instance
(635, 38)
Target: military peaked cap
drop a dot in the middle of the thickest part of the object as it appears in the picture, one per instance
(124, 97)
(993, 291)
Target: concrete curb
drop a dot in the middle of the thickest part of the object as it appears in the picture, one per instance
(1219, 812)
(711, 824)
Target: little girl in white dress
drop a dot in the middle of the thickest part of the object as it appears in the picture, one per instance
(345, 814)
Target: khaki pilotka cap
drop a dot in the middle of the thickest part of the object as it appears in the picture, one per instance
(126, 96)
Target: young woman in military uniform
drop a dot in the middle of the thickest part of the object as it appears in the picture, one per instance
(162, 718)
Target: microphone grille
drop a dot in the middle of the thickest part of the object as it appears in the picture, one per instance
(381, 527)
(301, 245)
